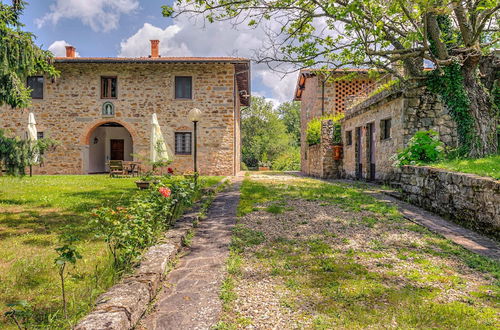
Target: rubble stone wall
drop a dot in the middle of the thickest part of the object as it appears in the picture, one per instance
(467, 198)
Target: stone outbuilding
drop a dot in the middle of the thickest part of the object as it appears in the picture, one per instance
(322, 93)
(100, 109)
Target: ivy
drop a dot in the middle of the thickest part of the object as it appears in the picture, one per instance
(449, 85)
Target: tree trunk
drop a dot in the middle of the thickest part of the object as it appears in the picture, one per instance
(485, 122)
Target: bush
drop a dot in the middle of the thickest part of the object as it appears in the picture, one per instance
(244, 166)
(288, 161)
(128, 231)
(423, 147)
(313, 131)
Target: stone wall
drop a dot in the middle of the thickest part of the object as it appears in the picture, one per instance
(469, 199)
(71, 110)
(410, 109)
(320, 156)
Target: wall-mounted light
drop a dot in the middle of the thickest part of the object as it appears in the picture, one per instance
(96, 140)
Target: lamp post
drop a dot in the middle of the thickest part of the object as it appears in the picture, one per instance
(195, 116)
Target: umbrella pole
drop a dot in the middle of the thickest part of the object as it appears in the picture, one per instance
(31, 171)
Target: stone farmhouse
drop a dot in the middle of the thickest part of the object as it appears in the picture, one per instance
(100, 109)
(374, 127)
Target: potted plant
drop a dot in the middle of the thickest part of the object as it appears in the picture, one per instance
(145, 180)
(264, 164)
(337, 142)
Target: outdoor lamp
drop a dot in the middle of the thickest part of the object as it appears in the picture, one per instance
(194, 115)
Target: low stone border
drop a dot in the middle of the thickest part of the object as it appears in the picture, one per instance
(122, 306)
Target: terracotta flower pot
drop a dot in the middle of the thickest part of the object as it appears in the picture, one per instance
(263, 168)
(337, 152)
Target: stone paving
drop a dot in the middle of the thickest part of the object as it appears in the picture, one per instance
(190, 298)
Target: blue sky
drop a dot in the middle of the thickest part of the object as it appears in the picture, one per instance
(124, 27)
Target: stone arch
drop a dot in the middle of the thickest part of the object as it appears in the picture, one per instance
(85, 138)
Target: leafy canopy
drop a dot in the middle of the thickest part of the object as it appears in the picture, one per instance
(19, 56)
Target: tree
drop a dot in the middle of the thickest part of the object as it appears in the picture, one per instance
(264, 135)
(289, 112)
(19, 57)
(456, 36)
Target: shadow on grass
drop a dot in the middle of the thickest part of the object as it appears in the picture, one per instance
(99, 197)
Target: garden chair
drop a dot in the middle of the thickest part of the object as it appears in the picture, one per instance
(116, 168)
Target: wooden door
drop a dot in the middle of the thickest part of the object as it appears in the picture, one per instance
(359, 153)
(117, 150)
(371, 150)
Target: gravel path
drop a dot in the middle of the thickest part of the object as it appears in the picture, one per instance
(393, 250)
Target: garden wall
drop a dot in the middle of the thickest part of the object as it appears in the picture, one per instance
(466, 198)
(319, 157)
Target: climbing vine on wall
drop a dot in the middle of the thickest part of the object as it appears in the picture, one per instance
(449, 85)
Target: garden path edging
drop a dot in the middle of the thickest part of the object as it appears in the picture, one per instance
(122, 306)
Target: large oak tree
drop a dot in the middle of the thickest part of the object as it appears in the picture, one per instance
(456, 36)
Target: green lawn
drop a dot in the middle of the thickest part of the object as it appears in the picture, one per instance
(489, 166)
(307, 254)
(34, 213)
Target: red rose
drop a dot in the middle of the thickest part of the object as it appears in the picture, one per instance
(170, 170)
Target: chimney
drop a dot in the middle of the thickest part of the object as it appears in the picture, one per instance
(155, 49)
(70, 51)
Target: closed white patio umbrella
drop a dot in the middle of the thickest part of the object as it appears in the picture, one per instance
(32, 137)
(159, 149)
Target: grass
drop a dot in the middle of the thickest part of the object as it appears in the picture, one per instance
(489, 166)
(34, 213)
(334, 279)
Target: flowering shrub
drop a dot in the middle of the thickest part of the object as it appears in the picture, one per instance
(129, 230)
(165, 192)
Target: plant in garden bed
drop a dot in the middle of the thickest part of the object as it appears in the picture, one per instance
(128, 231)
(423, 147)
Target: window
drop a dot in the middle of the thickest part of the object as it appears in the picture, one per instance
(385, 129)
(183, 143)
(348, 138)
(39, 135)
(183, 87)
(109, 87)
(36, 85)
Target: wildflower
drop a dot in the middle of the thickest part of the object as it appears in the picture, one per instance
(164, 191)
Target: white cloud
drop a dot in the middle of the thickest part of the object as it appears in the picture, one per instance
(58, 48)
(138, 45)
(100, 15)
(191, 37)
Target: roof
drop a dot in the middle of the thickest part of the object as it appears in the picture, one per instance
(151, 60)
(241, 64)
(306, 73)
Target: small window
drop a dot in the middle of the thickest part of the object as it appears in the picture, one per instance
(183, 87)
(39, 135)
(36, 85)
(348, 138)
(183, 143)
(385, 129)
(109, 87)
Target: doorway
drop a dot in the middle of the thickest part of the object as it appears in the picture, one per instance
(359, 153)
(371, 150)
(117, 149)
(109, 141)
